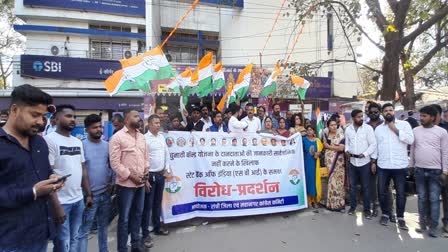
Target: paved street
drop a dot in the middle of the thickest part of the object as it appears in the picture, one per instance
(293, 231)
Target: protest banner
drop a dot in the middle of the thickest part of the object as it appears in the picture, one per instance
(222, 175)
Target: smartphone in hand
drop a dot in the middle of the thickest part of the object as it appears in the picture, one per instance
(63, 178)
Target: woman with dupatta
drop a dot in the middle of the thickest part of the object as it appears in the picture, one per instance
(334, 160)
(312, 148)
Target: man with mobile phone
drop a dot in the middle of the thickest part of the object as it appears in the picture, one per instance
(67, 157)
(129, 158)
(360, 145)
(100, 178)
(27, 184)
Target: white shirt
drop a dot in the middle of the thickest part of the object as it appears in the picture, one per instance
(67, 156)
(207, 123)
(235, 126)
(158, 152)
(361, 141)
(254, 125)
(392, 151)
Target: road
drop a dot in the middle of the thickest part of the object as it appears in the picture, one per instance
(293, 231)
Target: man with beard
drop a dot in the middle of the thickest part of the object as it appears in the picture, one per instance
(3, 117)
(360, 145)
(206, 119)
(67, 159)
(129, 158)
(374, 112)
(100, 178)
(195, 124)
(218, 126)
(27, 185)
(176, 123)
(393, 138)
(429, 154)
(275, 115)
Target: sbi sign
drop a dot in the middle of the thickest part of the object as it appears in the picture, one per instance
(47, 66)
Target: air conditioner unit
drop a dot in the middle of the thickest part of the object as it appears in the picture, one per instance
(127, 54)
(54, 50)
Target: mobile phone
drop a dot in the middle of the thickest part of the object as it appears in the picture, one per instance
(63, 178)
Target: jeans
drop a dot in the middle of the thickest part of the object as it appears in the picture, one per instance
(67, 233)
(130, 209)
(153, 203)
(362, 173)
(36, 247)
(100, 209)
(444, 193)
(399, 178)
(429, 185)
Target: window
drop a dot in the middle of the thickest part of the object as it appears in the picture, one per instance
(186, 55)
(110, 28)
(111, 50)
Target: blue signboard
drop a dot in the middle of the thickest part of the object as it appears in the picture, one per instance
(39, 66)
(122, 7)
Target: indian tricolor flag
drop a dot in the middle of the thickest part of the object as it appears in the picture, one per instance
(205, 75)
(242, 83)
(182, 80)
(301, 84)
(218, 77)
(270, 86)
(137, 71)
(319, 123)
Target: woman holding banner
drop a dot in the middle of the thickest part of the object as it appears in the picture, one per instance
(282, 131)
(296, 125)
(268, 126)
(334, 160)
(312, 148)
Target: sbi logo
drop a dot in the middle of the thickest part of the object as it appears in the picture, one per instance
(47, 66)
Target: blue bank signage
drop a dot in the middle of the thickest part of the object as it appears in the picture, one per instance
(122, 7)
(39, 66)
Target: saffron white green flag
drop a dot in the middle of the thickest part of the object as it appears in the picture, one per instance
(301, 84)
(137, 71)
(205, 75)
(270, 86)
(319, 123)
(182, 80)
(242, 83)
(218, 77)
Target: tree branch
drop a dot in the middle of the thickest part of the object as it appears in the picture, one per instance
(375, 8)
(352, 18)
(428, 57)
(440, 14)
(401, 13)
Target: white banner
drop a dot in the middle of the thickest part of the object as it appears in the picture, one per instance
(222, 174)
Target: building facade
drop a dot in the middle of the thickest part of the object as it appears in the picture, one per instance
(73, 46)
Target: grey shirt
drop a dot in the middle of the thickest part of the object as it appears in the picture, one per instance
(98, 167)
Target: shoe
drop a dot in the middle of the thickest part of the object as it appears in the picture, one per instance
(375, 213)
(351, 211)
(368, 215)
(433, 232)
(148, 242)
(162, 232)
(445, 228)
(384, 220)
(137, 249)
(421, 229)
(393, 219)
(402, 225)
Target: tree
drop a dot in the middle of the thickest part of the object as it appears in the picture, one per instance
(11, 42)
(402, 24)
